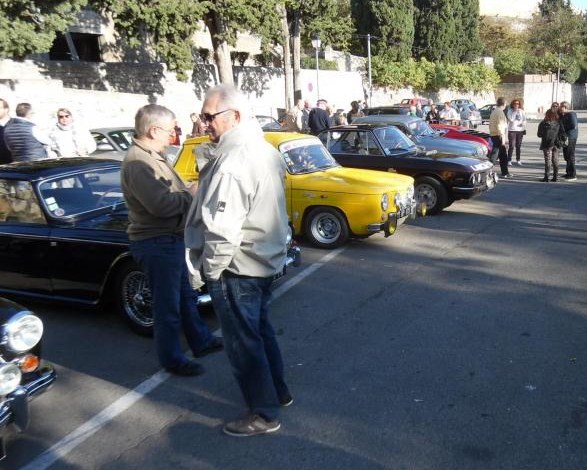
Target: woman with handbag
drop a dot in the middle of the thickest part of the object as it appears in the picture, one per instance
(516, 130)
(553, 137)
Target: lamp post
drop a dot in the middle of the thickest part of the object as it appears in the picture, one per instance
(316, 44)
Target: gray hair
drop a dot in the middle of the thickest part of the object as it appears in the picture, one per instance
(565, 104)
(230, 98)
(150, 116)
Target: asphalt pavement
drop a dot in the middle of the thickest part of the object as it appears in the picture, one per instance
(459, 343)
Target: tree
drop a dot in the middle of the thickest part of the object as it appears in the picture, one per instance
(468, 44)
(390, 21)
(30, 26)
(497, 35)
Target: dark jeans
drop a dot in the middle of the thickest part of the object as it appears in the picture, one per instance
(500, 152)
(241, 304)
(551, 160)
(174, 301)
(569, 156)
(515, 141)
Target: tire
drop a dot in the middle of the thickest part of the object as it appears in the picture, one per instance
(133, 298)
(326, 227)
(431, 192)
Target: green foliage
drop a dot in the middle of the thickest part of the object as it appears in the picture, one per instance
(30, 26)
(310, 63)
(391, 22)
(496, 35)
(510, 61)
(428, 76)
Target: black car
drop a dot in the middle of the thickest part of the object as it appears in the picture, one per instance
(63, 237)
(23, 373)
(440, 178)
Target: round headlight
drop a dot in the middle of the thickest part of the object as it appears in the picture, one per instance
(384, 202)
(10, 376)
(410, 193)
(23, 331)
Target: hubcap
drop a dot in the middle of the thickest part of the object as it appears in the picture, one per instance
(426, 194)
(136, 296)
(326, 228)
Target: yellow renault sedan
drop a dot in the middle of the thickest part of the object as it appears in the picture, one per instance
(327, 203)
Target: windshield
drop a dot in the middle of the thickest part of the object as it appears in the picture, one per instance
(306, 156)
(421, 128)
(71, 195)
(393, 140)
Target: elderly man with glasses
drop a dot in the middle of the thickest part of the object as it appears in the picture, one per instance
(236, 233)
(69, 139)
(158, 202)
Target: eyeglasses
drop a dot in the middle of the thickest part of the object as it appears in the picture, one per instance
(554, 105)
(62, 116)
(207, 117)
(170, 132)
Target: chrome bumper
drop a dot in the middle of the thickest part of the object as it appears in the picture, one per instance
(14, 407)
(393, 220)
(293, 258)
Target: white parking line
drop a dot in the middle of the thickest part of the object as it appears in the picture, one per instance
(90, 427)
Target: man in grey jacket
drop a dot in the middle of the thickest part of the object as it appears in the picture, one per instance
(236, 235)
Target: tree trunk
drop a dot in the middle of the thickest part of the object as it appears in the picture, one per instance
(221, 52)
(281, 11)
(296, 41)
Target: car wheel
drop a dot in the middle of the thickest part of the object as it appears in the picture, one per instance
(326, 227)
(133, 298)
(432, 193)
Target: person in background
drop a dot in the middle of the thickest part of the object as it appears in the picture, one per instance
(448, 114)
(355, 112)
(158, 202)
(177, 138)
(568, 120)
(516, 130)
(5, 156)
(552, 135)
(432, 116)
(319, 119)
(236, 235)
(306, 116)
(23, 138)
(198, 127)
(69, 139)
(498, 125)
(294, 118)
(340, 118)
(413, 111)
(419, 111)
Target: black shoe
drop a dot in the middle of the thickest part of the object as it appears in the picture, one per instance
(213, 346)
(286, 400)
(187, 369)
(545, 179)
(554, 179)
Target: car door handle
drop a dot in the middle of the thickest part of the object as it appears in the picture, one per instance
(53, 244)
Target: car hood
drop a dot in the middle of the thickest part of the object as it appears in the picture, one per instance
(445, 144)
(351, 180)
(476, 163)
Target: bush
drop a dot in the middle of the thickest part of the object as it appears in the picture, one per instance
(310, 63)
(510, 61)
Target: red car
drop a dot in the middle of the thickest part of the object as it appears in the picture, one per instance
(464, 133)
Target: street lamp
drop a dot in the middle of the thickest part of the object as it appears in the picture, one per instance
(316, 44)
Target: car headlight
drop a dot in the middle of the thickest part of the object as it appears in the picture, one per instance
(410, 193)
(23, 331)
(384, 202)
(10, 376)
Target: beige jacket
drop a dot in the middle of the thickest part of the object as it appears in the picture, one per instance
(156, 197)
(498, 124)
(238, 220)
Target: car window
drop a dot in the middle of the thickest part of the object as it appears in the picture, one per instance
(102, 144)
(306, 156)
(354, 142)
(84, 192)
(18, 203)
(122, 138)
(393, 140)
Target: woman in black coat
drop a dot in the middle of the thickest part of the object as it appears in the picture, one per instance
(552, 135)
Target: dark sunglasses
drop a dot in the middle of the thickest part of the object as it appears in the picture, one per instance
(207, 117)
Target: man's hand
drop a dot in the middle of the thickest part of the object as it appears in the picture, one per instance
(192, 187)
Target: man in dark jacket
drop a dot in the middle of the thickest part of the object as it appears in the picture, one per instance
(569, 121)
(23, 137)
(319, 119)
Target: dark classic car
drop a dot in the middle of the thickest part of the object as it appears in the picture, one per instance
(62, 237)
(23, 374)
(440, 178)
(420, 132)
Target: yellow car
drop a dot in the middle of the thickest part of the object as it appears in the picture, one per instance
(326, 202)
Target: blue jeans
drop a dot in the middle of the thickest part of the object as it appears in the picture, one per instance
(174, 301)
(241, 304)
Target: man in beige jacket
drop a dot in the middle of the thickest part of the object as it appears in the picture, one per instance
(236, 235)
(498, 126)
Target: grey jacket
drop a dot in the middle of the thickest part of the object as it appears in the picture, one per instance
(238, 219)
